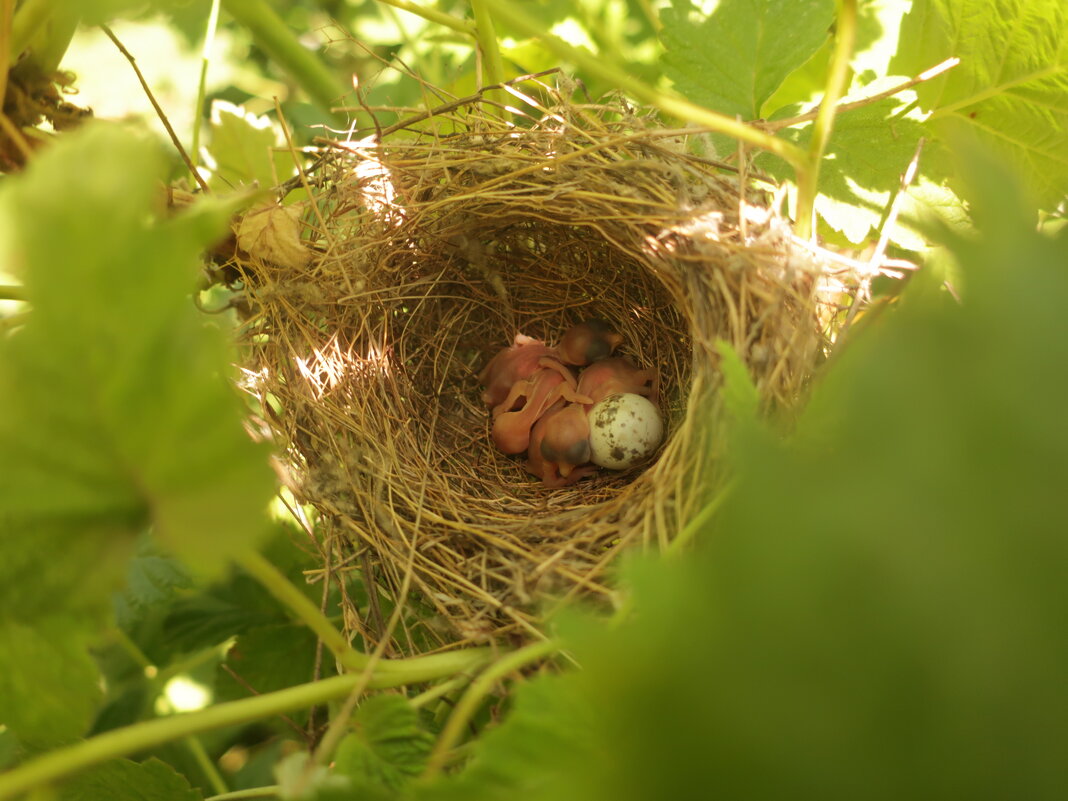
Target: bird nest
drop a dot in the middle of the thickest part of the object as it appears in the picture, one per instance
(424, 251)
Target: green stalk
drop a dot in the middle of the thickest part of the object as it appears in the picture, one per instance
(196, 748)
(63, 762)
(271, 33)
(668, 102)
(807, 184)
(479, 689)
(492, 64)
(282, 588)
(698, 521)
(433, 15)
(202, 85)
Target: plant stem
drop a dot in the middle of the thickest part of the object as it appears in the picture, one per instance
(668, 102)
(807, 185)
(433, 15)
(437, 691)
(300, 605)
(479, 689)
(202, 85)
(275, 37)
(492, 65)
(698, 521)
(57, 764)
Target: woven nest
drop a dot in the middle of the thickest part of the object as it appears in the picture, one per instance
(427, 251)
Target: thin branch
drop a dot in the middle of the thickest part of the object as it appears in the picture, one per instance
(7, 12)
(16, 136)
(864, 293)
(433, 15)
(455, 104)
(159, 111)
(933, 72)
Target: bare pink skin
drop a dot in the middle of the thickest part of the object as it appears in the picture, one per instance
(560, 446)
(512, 364)
(616, 376)
(527, 401)
(587, 342)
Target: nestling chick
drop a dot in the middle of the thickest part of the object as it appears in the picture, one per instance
(587, 342)
(511, 364)
(616, 376)
(528, 400)
(560, 446)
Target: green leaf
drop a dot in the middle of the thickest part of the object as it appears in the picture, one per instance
(49, 685)
(268, 659)
(123, 780)
(542, 747)
(733, 60)
(152, 583)
(879, 611)
(387, 747)
(1011, 87)
(117, 411)
(868, 153)
(242, 145)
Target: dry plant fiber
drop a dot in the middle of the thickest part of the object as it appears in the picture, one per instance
(425, 251)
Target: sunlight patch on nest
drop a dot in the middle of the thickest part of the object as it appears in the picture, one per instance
(332, 366)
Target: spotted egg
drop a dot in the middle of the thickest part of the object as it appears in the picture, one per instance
(624, 430)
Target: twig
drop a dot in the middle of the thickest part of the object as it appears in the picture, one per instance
(7, 12)
(15, 135)
(864, 292)
(159, 111)
(455, 104)
(293, 152)
(933, 72)
(741, 191)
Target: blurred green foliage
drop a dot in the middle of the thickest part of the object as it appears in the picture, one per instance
(878, 610)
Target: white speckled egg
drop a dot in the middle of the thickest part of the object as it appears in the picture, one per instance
(624, 430)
